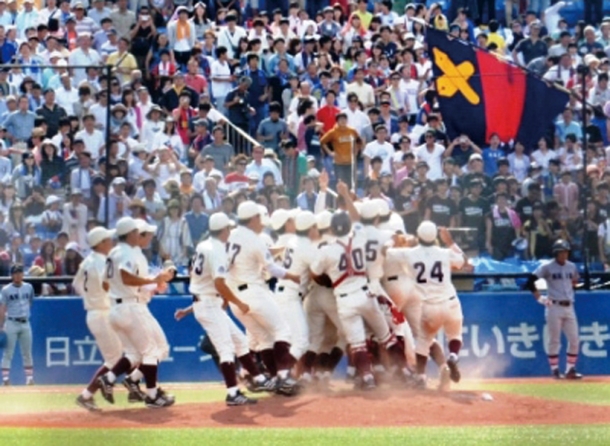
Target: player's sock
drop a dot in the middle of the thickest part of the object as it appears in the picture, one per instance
(150, 376)
(247, 362)
(553, 362)
(232, 391)
(136, 375)
(351, 370)
(421, 363)
(86, 394)
(228, 373)
(283, 374)
(362, 361)
(571, 362)
(397, 354)
(93, 385)
(5, 374)
(268, 359)
(152, 393)
(283, 358)
(122, 366)
(111, 376)
(453, 357)
(335, 357)
(322, 362)
(454, 346)
(436, 353)
(29, 374)
(308, 360)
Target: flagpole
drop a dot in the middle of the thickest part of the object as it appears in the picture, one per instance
(587, 276)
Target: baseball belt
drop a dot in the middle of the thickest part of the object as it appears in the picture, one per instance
(21, 320)
(562, 303)
(364, 288)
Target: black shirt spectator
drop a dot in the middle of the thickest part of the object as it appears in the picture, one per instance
(51, 112)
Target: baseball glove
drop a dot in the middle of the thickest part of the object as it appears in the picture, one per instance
(323, 280)
(2, 339)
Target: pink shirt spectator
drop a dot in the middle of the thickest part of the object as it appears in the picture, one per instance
(566, 195)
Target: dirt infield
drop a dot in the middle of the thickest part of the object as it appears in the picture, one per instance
(340, 409)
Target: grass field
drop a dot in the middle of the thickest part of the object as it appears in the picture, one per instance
(591, 393)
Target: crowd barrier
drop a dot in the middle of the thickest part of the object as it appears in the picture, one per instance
(504, 336)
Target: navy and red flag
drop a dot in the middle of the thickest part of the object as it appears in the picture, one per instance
(480, 94)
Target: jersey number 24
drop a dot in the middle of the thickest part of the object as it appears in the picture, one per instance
(435, 273)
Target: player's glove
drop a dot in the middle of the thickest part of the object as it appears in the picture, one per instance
(544, 301)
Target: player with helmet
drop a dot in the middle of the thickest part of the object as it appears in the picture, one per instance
(210, 291)
(344, 261)
(89, 283)
(561, 277)
(431, 266)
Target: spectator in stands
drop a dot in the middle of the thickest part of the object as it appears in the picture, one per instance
(174, 235)
(503, 226)
(47, 260)
(74, 218)
(25, 176)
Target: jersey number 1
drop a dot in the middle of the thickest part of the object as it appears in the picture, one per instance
(435, 273)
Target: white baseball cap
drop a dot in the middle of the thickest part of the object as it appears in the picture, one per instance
(323, 220)
(384, 207)
(304, 220)
(73, 246)
(98, 235)
(126, 225)
(144, 227)
(219, 221)
(248, 209)
(51, 199)
(427, 231)
(279, 219)
(369, 210)
(265, 220)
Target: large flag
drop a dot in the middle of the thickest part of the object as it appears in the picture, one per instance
(479, 94)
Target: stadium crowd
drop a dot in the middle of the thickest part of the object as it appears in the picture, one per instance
(312, 84)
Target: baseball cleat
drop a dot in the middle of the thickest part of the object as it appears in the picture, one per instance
(29, 382)
(6, 382)
(368, 383)
(444, 384)
(573, 374)
(135, 393)
(87, 403)
(419, 382)
(557, 374)
(106, 388)
(287, 387)
(268, 385)
(239, 399)
(160, 401)
(454, 371)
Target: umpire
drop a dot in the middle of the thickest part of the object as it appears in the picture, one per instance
(561, 276)
(15, 303)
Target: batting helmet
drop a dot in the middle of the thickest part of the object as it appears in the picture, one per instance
(560, 245)
(340, 224)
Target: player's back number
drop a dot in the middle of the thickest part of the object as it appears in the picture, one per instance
(436, 272)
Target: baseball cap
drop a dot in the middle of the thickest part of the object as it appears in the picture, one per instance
(427, 231)
(370, 210)
(279, 219)
(304, 220)
(98, 235)
(247, 209)
(219, 221)
(475, 156)
(384, 207)
(126, 225)
(118, 181)
(323, 220)
(144, 227)
(17, 268)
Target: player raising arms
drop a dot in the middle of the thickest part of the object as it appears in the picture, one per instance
(209, 291)
(89, 283)
(431, 266)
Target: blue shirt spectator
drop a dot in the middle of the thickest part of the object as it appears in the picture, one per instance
(197, 220)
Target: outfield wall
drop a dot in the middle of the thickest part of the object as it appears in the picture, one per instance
(503, 337)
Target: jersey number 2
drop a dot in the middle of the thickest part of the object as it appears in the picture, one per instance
(435, 273)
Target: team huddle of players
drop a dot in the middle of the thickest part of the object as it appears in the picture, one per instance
(347, 282)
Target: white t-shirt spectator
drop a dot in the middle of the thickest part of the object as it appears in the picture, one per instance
(384, 150)
(93, 141)
(542, 159)
(220, 70)
(411, 88)
(434, 160)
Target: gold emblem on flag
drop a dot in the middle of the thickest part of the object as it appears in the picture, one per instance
(454, 77)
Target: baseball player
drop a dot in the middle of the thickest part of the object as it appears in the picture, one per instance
(268, 331)
(344, 262)
(299, 253)
(15, 303)
(130, 318)
(322, 316)
(89, 283)
(561, 276)
(431, 266)
(210, 291)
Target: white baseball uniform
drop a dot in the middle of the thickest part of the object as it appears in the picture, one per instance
(320, 308)
(431, 267)
(88, 282)
(146, 294)
(249, 259)
(128, 316)
(210, 263)
(344, 261)
(298, 255)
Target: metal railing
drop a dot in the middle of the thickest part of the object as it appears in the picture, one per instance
(241, 141)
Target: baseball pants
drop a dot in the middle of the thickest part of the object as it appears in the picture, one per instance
(357, 308)
(264, 323)
(228, 340)
(106, 338)
(402, 293)
(320, 307)
(436, 315)
(133, 324)
(562, 319)
(290, 304)
(158, 335)
(17, 332)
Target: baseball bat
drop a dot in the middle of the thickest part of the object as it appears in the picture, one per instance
(353, 164)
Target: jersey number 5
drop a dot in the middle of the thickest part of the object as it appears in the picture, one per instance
(198, 264)
(435, 273)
